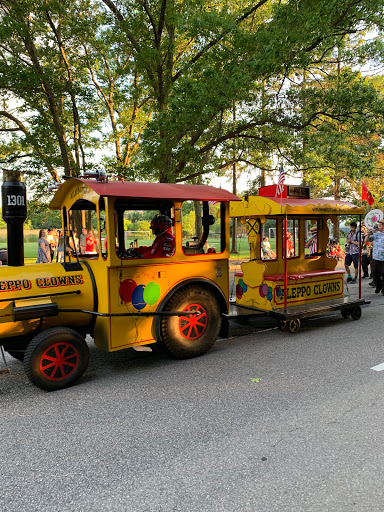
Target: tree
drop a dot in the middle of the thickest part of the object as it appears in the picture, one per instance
(41, 217)
(151, 86)
(42, 83)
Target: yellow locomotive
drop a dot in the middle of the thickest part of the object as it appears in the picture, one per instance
(122, 294)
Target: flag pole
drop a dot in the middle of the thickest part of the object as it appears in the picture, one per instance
(279, 192)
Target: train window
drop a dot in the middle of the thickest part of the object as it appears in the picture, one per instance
(203, 225)
(269, 240)
(144, 231)
(84, 227)
(292, 238)
(311, 241)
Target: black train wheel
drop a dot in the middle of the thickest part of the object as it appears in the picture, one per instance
(356, 313)
(294, 325)
(56, 358)
(193, 334)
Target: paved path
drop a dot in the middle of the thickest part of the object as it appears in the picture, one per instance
(267, 421)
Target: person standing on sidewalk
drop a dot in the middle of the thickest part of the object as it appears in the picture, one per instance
(377, 262)
(352, 252)
(365, 253)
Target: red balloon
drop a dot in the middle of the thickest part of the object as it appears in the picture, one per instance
(239, 291)
(126, 289)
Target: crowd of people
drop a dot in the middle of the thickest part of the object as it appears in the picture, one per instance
(376, 237)
(52, 244)
(371, 244)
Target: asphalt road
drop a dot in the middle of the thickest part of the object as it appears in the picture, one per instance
(266, 421)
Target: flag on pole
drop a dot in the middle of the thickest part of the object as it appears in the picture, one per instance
(280, 183)
(366, 195)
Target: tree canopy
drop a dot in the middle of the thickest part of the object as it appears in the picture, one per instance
(148, 89)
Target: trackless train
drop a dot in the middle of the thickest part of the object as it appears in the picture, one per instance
(174, 291)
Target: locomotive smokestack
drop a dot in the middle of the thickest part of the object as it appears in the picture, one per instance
(14, 211)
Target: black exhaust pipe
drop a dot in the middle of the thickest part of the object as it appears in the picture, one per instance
(14, 212)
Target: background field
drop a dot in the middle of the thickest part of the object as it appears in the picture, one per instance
(30, 247)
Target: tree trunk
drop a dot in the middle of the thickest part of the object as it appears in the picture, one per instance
(337, 197)
(263, 177)
(234, 220)
(48, 91)
(198, 222)
(234, 190)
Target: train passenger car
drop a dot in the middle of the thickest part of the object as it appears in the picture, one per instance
(289, 274)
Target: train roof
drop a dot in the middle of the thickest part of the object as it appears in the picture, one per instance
(255, 206)
(89, 189)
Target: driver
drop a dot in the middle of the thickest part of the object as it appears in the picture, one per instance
(164, 243)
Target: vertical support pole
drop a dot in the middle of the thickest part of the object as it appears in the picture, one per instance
(285, 261)
(14, 211)
(360, 249)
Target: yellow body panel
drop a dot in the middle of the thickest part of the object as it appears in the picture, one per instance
(19, 284)
(142, 288)
(269, 295)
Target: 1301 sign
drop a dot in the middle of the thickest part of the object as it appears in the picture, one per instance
(16, 200)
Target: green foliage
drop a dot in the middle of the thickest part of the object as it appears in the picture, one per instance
(142, 225)
(137, 225)
(129, 226)
(2, 222)
(172, 91)
(41, 217)
(189, 224)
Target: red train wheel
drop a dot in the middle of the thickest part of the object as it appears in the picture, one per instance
(60, 360)
(191, 335)
(56, 358)
(193, 326)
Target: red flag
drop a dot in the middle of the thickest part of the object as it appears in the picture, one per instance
(366, 195)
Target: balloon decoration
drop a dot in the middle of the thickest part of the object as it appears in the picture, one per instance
(151, 293)
(265, 291)
(241, 288)
(126, 289)
(140, 295)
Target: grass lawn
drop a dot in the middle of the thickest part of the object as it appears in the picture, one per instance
(242, 247)
(30, 250)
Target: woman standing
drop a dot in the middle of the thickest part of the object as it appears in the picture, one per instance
(90, 243)
(43, 249)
